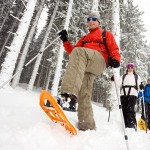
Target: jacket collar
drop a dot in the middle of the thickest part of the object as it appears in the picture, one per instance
(97, 28)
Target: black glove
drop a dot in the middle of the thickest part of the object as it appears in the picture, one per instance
(141, 86)
(63, 35)
(114, 63)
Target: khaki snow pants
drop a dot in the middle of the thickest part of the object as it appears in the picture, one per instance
(84, 65)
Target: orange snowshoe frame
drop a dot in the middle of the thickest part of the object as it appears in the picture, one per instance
(55, 113)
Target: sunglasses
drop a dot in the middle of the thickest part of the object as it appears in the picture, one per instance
(93, 19)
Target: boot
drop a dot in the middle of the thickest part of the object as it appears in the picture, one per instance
(72, 103)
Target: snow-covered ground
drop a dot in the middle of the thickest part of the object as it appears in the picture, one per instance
(24, 126)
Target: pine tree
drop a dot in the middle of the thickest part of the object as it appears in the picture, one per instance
(133, 44)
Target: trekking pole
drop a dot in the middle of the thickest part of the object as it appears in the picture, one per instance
(39, 53)
(120, 107)
(144, 110)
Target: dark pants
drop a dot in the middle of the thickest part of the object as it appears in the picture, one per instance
(147, 107)
(128, 105)
(147, 111)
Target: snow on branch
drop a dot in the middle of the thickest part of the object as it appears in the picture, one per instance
(8, 47)
(15, 17)
(12, 33)
(24, 4)
(56, 27)
(67, 3)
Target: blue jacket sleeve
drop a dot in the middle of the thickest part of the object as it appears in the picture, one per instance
(140, 94)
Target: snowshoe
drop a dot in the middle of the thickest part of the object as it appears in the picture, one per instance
(55, 113)
(142, 124)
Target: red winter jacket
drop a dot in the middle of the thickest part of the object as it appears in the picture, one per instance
(92, 40)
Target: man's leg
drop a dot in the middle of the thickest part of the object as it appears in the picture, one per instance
(85, 111)
(81, 60)
(75, 71)
(84, 65)
(95, 66)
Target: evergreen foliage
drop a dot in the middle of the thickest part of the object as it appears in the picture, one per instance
(133, 43)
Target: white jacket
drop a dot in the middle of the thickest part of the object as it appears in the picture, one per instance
(130, 80)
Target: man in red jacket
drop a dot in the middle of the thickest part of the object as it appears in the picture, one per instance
(87, 59)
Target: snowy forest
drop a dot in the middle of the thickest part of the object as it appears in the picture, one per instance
(32, 55)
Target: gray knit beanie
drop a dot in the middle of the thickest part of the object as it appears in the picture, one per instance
(94, 14)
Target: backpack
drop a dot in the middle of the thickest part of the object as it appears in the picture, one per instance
(136, 85)
(104, 42)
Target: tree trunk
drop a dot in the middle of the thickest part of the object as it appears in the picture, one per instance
(2, 9)
(11, 58)
(95, 5)
(47, 78)
(116, 21)
(26, 48)
(37, 63)
(46, 85)
(116, 32)
(57, 73)
(12, 28)
(41, 73)
(11, 5)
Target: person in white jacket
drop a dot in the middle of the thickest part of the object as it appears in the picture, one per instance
(129, 84)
